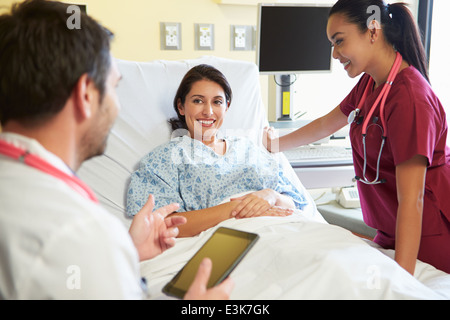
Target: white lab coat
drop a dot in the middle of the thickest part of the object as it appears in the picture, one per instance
(56, 244)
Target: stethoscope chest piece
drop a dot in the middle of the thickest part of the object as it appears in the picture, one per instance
(352, 116)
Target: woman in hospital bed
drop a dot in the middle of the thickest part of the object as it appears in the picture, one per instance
(200, 171)
(296, 257)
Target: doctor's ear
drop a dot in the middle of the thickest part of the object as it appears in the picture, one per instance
(85, 94)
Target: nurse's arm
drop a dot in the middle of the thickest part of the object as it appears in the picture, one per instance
(312, 132)
(410, 193)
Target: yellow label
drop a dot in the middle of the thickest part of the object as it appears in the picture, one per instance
(286, 103)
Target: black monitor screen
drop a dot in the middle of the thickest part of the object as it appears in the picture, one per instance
(293, 39)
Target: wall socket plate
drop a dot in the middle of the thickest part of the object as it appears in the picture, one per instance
(242, 38)
(204, 36)
(170, 35)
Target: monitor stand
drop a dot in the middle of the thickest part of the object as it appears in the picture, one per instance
(284, 97)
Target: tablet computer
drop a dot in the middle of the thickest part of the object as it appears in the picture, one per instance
(226, 248)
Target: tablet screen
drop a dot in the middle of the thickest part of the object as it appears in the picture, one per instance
(226, 247)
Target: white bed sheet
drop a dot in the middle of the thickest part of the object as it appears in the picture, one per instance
(300, 258)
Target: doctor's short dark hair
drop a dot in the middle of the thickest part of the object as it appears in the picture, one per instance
(42, 59)
(197, 73)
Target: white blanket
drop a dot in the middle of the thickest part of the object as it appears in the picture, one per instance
(299, 258)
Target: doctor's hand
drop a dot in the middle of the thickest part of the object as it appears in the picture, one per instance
(198, 289)
(152, 233)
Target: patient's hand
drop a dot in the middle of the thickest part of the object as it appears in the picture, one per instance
(152, 233)
(262, 203)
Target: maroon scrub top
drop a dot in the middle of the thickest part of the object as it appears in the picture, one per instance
(416, 125)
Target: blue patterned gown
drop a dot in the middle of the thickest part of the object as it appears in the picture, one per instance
(187, 172)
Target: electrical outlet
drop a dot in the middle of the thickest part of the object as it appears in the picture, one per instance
(204, 36)
(170, 36)
(239, 37)
(242, 38)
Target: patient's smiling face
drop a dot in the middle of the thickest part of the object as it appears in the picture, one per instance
(204, 110)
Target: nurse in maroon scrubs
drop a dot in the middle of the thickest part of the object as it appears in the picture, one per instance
(398, 130)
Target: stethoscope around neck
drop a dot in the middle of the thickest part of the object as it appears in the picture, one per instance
(353, 116)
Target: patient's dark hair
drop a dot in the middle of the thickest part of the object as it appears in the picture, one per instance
(397, 23)
(42, 58)
(197, 73)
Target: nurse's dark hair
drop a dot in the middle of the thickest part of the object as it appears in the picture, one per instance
(399, 27)
(42, 57)
(197, 73)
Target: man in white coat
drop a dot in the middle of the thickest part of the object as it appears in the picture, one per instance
(57, 105)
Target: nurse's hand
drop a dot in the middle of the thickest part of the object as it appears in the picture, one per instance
(270, 140)
(152, 233)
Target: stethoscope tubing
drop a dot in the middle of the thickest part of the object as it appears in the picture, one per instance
(382, 96)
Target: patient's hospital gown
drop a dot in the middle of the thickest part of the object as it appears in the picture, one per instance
(187, 172)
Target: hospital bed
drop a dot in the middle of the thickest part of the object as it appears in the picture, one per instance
(297, 257)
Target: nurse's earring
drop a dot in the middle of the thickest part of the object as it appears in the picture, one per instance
(372, 36)
(374, 26)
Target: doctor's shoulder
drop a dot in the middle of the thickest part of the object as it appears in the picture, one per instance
(58, 236)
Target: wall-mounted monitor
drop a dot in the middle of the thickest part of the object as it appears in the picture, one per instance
(292, 39)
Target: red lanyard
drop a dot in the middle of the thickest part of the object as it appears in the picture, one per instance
(36, 162)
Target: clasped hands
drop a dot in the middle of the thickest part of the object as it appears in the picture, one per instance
(260, 203)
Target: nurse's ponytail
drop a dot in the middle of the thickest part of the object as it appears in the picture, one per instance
(403, 33)
(399, 27)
